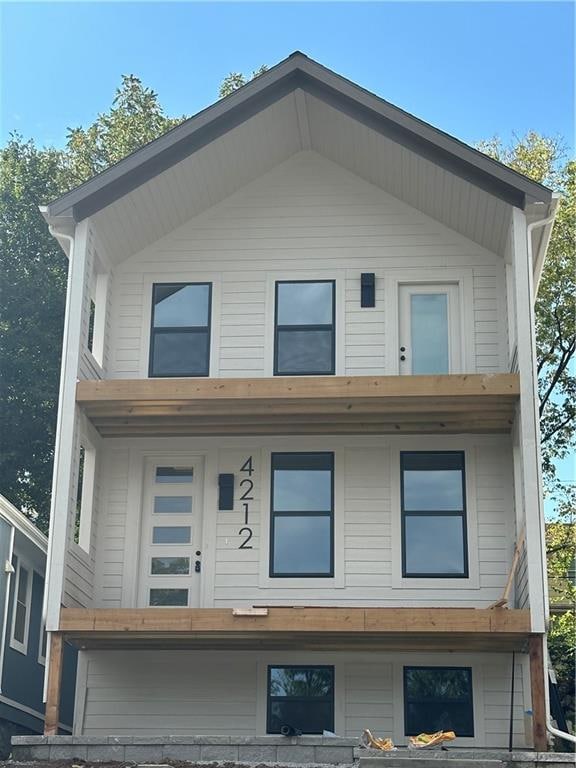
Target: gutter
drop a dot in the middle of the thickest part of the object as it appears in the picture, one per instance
(69, 240)
(548, 223)
(536, 273)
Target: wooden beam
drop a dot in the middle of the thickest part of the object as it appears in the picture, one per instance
(52, 716)
(537, 684)
(282, 388)
(335, 405)
(297, 620)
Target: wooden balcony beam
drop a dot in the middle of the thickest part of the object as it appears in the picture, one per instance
(368, 628)
(321, 405)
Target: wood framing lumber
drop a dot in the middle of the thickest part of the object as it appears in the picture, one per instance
(537, 684)
(52, 716)
(515, 560)
(320, 405)
(296, 620)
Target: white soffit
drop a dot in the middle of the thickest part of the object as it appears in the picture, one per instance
(200, 181)
(297, 122)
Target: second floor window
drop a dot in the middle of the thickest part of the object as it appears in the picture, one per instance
(433, 514)
(304, 328)
(180, 334)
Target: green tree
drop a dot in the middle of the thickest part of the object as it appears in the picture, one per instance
(236, 80)
(543, 159)
(33, 273)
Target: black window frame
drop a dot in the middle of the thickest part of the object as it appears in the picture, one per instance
(283, 513)
(435, 668)
(179, 329)
(463, 514)
(269, 698)
(303, 328)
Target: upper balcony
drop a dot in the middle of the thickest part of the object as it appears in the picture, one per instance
(449, 404)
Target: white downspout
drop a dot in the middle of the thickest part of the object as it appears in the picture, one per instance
(70, 239)
(549, 727)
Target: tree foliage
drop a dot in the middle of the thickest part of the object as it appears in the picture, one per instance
(33, 273)
(543, 159)
(236, 80)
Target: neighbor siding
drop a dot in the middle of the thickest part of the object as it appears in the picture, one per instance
(307, 218)
(213, 692)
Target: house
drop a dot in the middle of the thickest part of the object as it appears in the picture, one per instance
(297, 436)
(23, 639)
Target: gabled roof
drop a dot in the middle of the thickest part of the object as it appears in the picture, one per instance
(297, 72)
(19, 521)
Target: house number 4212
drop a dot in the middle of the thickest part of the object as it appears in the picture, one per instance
(246, 487)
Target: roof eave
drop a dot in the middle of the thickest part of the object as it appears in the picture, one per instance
(297, 71)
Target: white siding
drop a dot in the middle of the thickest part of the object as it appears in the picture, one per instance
(224, 692)
(112, 531)
(307, 218)
(155, 692)
(367, 523)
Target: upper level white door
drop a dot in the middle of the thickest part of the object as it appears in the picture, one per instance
(171, 547)
(429, 329)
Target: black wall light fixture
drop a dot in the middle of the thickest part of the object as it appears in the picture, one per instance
(367, 289)
(225, 492)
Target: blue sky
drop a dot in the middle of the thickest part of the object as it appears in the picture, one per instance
(472, 69)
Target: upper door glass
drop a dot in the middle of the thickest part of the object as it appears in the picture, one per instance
(429, 329)
(304, 329)
(180, 334)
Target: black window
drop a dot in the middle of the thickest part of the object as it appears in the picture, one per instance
(180, 335)
(302, 514)
(438, 699)
(301, 697)
(434, 515)
(304, 328)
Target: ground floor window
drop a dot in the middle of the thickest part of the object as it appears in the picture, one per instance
(300, 697)
(438, 699)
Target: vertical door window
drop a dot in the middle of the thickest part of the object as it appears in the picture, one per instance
(433, 515)
(302, 530)
(180, 334)
(429, 329)
(304, 328)
(171, 553)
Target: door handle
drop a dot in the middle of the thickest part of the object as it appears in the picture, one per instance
(197, 566)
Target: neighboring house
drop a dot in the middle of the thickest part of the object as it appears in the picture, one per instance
(300, 440)
(23, 639)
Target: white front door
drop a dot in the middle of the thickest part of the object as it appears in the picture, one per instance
(429, 329)
(171, 548)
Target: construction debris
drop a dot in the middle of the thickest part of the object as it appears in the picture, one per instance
(430, 739)
(373, 742)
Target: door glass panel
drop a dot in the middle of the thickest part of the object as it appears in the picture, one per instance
(173, 505)
(173, 566)
(429, 324)
(171, 534)
(169, 597)
(174, 474)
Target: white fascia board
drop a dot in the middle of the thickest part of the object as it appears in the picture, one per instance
(65, 430)
(540, 254)
(530, 426)
(19, 521)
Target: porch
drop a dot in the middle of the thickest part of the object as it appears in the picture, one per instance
(212, 647)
